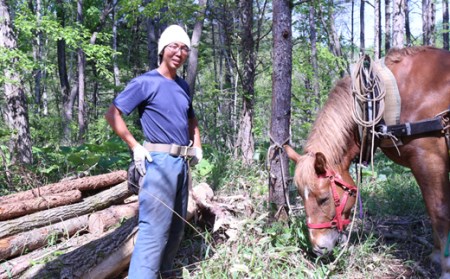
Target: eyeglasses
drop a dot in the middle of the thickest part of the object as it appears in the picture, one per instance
(175, 48)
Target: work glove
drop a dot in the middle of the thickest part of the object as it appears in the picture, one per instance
(140, 154)
(197, 157)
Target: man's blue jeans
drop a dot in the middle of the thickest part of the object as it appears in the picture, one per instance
(163, 199)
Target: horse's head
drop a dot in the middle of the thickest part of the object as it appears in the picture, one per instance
(328, 196)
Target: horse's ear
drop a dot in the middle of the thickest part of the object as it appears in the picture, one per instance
(320, 164)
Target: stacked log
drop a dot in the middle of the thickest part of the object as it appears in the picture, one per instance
(82, 228)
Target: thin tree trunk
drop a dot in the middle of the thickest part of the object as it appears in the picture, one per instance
(362, 38)
(314, 63)
(82, 121)
(398, 25)
(16, 111)
(116, 70)
(195, 40)
(37, 54)
(68, 95)
(281, 107)
(407, 24)
(377, 30)
(387, 25)
(245, 135)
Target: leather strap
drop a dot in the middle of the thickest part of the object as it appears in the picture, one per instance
(172, 149)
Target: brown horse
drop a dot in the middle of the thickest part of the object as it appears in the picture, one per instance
(322, 173)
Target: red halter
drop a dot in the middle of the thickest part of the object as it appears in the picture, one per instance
(339, 203)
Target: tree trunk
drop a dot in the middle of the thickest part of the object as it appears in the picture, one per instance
(25, 207)
(37, 55)
(407, 24)
(398, 23)
(377, 29)
(31, 240)
(101, 221)
(245, 135)
(93, 203)
(314, 63)
(281, 106)
(445, 24)
(362, 39)
(387, 25)
(116, 70)
(16, 111)
(82, 184)
(195, 41)
(82, 121)
(78, 262)
(428, 21)
(68, 95)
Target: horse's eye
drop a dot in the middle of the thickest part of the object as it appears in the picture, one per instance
(323, 200)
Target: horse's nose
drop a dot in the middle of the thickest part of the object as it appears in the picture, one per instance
(321, 251)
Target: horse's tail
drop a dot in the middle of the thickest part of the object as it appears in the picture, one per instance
(292, 154)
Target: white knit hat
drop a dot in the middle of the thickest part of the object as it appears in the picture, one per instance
(173, 33)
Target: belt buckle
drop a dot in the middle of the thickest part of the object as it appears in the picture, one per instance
(174, 150)
(183, 151)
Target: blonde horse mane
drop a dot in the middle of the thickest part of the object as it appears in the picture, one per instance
(333, 127)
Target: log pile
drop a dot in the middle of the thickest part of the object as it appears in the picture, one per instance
(86, 227)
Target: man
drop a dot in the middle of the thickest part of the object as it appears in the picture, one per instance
(170, 127)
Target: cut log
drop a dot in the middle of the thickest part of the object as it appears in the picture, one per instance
(78, 262)
(31, 240)
(82, 184)
(116, 262)
(101, 221)
(21, 208)
(15, 267)
(104, 199)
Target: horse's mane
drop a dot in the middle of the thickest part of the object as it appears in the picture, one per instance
(333, 127)
(396, 55)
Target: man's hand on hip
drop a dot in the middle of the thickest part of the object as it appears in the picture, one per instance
(140, 154)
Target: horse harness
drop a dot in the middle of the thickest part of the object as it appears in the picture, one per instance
(338, 221)
(373, 84)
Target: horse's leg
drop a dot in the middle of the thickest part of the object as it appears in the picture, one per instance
(431, 172)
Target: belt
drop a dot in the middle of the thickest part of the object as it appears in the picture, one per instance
(172, 149)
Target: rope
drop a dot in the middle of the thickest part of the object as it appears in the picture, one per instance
(279, 146)
(368, 91)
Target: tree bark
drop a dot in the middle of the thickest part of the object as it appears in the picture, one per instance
(86, 183)
(387, 25)
(195, 41)
(281, 106)
(24, 207)
(14, 268)
(93, 203)
(362, 38)
(16, 111)
(31, 240)
(428, 21)
(78, 262)
(68, 95)
(82, 116)
(245, 135)
(101, 221)
(398, 23)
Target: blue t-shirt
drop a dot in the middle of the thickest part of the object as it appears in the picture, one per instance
(164, 107)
